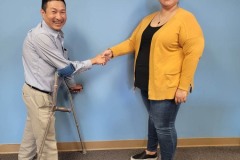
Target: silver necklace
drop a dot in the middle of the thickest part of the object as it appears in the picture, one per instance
(166, 17)
(159, 21)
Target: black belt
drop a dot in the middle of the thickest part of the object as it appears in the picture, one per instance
(38, 89)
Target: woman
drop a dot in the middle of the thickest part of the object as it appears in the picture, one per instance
(167, 45)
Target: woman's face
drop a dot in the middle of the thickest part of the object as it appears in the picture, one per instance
(168, 4)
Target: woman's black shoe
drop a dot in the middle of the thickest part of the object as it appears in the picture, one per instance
(144, 156)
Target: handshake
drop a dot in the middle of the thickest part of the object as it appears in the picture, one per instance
(102, 58)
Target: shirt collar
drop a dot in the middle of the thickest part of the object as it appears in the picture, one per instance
(52, 31)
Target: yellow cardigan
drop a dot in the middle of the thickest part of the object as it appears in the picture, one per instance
(174, 54)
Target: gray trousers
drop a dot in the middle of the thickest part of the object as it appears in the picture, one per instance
(39, 106)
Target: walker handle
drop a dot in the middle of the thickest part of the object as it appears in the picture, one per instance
(62, 109)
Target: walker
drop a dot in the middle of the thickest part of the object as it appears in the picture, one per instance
(61, 109)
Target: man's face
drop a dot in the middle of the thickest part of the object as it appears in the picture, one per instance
(55, 15)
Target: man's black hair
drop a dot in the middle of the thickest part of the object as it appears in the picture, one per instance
(44, 3)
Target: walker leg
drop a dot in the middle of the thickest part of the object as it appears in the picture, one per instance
(75, 119)
(45, 135)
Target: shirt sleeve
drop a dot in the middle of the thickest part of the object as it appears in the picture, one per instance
(49, 52)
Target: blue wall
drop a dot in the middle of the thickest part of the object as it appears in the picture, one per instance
(109, 108)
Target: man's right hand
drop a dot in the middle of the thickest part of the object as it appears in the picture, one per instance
(99, 59)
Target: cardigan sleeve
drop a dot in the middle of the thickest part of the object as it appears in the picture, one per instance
(192, 41)
(126, 46)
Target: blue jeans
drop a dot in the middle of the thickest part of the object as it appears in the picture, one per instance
(161, 126)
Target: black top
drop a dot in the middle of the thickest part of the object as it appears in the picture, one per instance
(142, 62)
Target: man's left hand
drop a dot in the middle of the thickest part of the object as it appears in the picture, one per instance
(77, 88)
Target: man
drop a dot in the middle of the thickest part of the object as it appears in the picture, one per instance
(43, 55)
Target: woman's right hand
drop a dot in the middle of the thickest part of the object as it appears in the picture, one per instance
(108, 54)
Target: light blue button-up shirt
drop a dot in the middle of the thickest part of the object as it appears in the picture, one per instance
(44, 54)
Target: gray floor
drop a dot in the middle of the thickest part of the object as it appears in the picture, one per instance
(204, 153)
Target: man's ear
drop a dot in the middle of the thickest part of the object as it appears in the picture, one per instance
(42, 12)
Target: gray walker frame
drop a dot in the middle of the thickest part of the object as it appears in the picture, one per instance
(61, 109)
